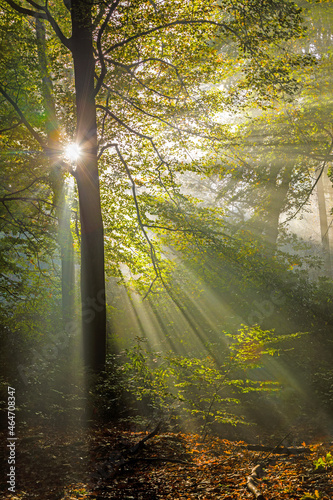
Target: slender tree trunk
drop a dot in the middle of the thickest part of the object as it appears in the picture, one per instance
(57, 183)
(324, 229)
(92, 240)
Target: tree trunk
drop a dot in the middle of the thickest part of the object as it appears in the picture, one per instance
(92, 240)
(277, 203)
(57, 182)
(324, 227)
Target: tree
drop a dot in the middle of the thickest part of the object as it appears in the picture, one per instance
(278, 155)
(140, 70)
(92, 279)
(57, 178)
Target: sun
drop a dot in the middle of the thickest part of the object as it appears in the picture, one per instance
(72, 152)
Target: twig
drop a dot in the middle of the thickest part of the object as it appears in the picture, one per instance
(136, 203)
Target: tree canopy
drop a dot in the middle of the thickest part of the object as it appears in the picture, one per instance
(137, 86)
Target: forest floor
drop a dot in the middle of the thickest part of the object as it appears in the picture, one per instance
(114, 463)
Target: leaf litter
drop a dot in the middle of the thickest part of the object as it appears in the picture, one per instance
(101, 464)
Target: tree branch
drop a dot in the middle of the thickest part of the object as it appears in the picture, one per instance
(23, 10)
(162, 61)
(13, 284)
(136, 203)
(36, 5)
(164, 26)
(104, 148)
(11, 193)
(135, 132)
(128, 70)
(6, 198)
(42, 15)
(99, 46)
(33, 132)
(10, 128)
(23, 229)
(322, 168)
(156, 117)
(115, 117)
(148, 138)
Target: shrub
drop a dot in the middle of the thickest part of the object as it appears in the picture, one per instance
(168, 386)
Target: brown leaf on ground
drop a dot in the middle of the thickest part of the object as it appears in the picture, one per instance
(99, 465)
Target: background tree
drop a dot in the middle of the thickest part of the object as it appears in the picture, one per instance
(279, 156)
(57, 178)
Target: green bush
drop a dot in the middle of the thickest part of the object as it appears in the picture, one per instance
(167, 386)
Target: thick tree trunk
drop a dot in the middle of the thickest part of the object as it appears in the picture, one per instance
(57, 182)
(92, 240)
